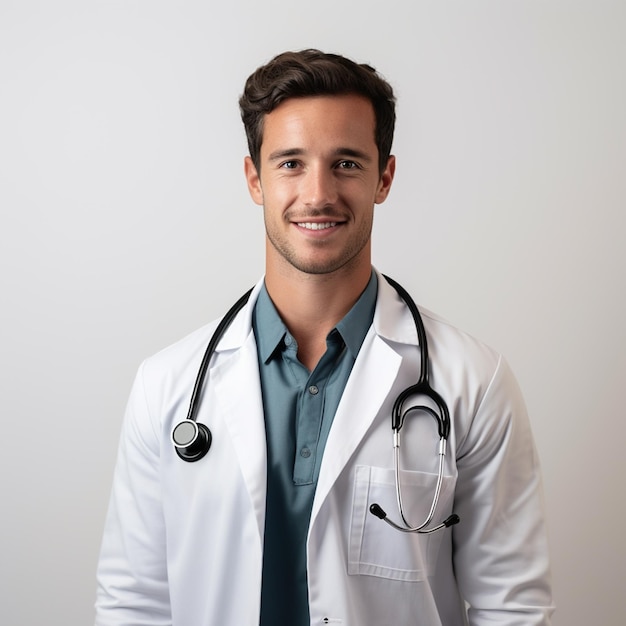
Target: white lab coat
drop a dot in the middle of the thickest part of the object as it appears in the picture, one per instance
(183, 542)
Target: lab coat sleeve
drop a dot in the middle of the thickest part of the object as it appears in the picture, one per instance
(501, 553)
(132, 573)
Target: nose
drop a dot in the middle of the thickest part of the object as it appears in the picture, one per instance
(319, 187)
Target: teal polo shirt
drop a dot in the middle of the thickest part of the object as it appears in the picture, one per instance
(299, 408)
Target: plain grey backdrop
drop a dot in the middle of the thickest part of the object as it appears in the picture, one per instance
(125, 224)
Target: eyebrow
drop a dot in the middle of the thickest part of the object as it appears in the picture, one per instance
(339, 152)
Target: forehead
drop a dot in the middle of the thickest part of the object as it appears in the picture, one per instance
(320, 120)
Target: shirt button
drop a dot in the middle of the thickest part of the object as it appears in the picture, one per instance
(288, 340)
(305, 452)
(313, 390)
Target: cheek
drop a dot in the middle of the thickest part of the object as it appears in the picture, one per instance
(280, 193)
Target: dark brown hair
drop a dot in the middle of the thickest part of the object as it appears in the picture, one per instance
(314, 73)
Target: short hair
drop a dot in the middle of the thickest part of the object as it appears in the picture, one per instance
(314, 73)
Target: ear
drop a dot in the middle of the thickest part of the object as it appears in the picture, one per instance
(254, 181)
(386, 178)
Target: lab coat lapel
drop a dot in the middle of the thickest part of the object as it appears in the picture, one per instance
(373, 375)
(369, 384)
(238, 391)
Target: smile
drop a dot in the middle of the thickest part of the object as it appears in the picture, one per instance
(316, 225)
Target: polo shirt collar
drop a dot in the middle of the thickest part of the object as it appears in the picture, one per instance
(352, 328)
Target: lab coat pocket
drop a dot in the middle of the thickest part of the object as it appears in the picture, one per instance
(377, 549)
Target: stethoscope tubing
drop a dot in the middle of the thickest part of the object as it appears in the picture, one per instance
(225, 322)
(189, 452)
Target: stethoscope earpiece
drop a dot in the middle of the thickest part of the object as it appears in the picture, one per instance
(191, 440)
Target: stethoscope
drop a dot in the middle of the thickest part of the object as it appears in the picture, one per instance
(192, 439)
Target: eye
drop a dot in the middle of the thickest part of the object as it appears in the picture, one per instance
(289, 165)
(347, 165)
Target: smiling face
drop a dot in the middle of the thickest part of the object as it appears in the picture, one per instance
(318, 182)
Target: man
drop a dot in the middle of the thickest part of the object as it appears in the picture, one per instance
(271, 523)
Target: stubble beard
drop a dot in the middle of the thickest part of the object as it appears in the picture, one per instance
(308, 264)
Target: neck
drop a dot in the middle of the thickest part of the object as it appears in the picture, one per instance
(311, 305)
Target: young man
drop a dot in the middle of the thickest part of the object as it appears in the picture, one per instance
(274, 518)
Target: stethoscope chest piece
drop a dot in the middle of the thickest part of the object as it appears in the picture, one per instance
(191, 440)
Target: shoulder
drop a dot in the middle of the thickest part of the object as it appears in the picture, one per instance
(183, 352)
(447, 344)
(450, 343)
(466, 364)
(165, 379)
(187, 353)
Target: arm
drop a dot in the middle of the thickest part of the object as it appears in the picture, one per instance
(500, 547)
(132, 573)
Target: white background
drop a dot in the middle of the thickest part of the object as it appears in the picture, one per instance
(125, 224)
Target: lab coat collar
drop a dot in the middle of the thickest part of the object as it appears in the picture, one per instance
(392, 319)
(241, 327)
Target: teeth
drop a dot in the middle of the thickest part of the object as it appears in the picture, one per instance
(316, 225)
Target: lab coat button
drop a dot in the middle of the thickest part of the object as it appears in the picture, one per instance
(305, 452)
(313, 390)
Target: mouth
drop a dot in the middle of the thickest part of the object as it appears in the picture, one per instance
(316, 225)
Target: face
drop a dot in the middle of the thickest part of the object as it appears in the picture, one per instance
(319, 180)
